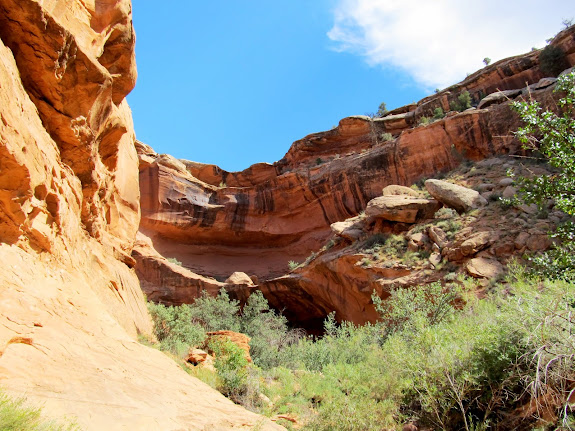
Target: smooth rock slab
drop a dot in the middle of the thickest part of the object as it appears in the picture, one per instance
(481, 267)
(403, 209)
(395, 190)
(460, 198)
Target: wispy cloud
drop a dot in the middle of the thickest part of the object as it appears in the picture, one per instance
(437, 42)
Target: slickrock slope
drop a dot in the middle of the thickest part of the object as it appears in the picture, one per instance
(217, 222)
(70, 302)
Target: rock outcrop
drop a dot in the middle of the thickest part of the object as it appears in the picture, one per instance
(71, 307)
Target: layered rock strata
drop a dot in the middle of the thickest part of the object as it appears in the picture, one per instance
(255, 221)
(71, 307)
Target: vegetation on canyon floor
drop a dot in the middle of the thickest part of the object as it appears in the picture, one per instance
(438, 356)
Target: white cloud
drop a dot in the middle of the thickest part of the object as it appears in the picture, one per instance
(438, 41)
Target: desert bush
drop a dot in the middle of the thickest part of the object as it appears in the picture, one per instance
(353, 414)
(395, 245)
(292, 264)
(17, 415)
(424, 121)
(445, 213)
(462, 102)
(438, 113)
(231, 366)
(411, 309)
(449, 226)
(382, 110)
(386, 136)
(174, 260)
(269, 332)
(174, 329)
(216, 313)
(374, 242)
(552, 60)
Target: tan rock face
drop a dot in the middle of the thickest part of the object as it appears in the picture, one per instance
(70, 304)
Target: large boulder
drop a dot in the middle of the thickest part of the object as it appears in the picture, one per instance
(438, 236)
(481, 267)
(477, 242)
(351, 229)
(405, 209)
(460, 198)
(239, 277)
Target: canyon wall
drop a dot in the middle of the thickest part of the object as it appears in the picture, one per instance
(71, 307)
(217, 222)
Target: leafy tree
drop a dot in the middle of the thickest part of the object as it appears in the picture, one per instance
(487, 61)
(553, 135)
(382, 110)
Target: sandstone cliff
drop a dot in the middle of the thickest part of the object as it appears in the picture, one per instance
(70, 304)
(217, 222)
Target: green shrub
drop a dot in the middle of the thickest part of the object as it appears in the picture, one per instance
(462, 103)
(231, 366)
(438, 113)
(353, 414)
(382, 110)
(269, 332)
(374, 242)
(174, 329)
(449, 226)
(318, 161)
(552, 60)
(386, 136)
(17, 415)
(424, 121)
(445, 213)
(174, 260)
(293, 265)
(216, 313)
(412, 309)
(395, 245)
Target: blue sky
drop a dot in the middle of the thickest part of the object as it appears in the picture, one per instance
(235, 83)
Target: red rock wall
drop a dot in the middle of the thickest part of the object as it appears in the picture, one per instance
(255, 221)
